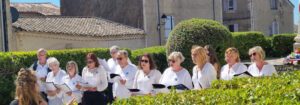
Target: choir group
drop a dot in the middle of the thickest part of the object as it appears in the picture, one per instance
(103, 81)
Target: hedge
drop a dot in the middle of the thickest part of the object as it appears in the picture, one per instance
(198, 32)
(282, 44)
(243, 41)
(281, 90)
(158, 53)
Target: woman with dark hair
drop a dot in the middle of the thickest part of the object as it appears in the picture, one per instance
(95, 78)
(212, 58)
(27, 89)
(146, 75)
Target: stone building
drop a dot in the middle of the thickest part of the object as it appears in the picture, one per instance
(267, 16)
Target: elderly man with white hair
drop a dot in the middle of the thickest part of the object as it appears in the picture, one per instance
(56, 76)
(260, 67)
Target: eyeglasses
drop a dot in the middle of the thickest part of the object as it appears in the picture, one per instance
(145, 61)
(89, 62)
(253, 54)
(119, 59)
(171, 61)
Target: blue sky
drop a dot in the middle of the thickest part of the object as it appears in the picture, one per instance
(56, 2)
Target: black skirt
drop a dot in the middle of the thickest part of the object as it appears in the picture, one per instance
(94, 98)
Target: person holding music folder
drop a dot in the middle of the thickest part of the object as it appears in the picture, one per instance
(233, 66)
(126, 72)
(74, 95)
(27, 89)
(176, 76)
(203, 72)
(146, 75)
(95, 82)
(56, 77)
(259, 67)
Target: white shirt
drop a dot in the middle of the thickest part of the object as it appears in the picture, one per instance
(267, 70)
(41, 72)
(144, 82)
(96, 77)
(171, 78)
(76, 93)
(57, 79)
(112, 64)
(128, 74)
(203, 78)
(228, 73)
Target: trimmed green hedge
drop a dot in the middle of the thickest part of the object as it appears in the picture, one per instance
(158, 53)
(281, 90)
(283, 44)
(243, 41)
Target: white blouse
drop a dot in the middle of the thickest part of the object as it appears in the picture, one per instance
(57, 79)
(171, 78)
(203, 78)
(228, 73)
(144, 82)
(127, 73)
(112, 64)
(96, 77)
(76, 93)
(267, 70)
(41, 72)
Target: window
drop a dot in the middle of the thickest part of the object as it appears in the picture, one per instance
(230, 5)
(274, 4)
(169, 25)
(233, 28)
(275, 28)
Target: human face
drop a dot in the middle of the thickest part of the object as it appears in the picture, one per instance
(122, 60)
(113, 54)
(254, 57)
(71, 69)
(54, 67)
(194, 57)
(42, 57)
(174, 63)
(230, 58)
(90, 63)
(145, 64)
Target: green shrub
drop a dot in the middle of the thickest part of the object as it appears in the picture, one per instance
(280, 90)
(283, 44)
(158, 53)
(243, 41)
(198, 32)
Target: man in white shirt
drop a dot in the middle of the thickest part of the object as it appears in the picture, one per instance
(112, 62)
(42, 70)
(127, 73)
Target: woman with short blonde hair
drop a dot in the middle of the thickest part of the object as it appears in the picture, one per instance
(233, 66)
(259, 66)
(203, 72)
(176, 74)
(27, 89)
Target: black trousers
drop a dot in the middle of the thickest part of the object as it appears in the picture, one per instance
(94, 98)
(109, 92)
(44, 96)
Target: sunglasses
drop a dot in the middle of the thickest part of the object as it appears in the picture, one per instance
(171, 61)
(119, 59)
(253, 54)
(145, 61)
(89, 62)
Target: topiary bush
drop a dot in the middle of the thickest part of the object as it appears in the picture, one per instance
(283, 44)
(158, 53)
(198, 32)
(243, 41)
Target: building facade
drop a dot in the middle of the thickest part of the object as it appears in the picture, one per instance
(156, 17)
(267, 16)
